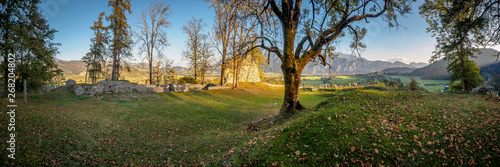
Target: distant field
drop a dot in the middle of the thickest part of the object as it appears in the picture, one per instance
(311, 78)
(407, 80)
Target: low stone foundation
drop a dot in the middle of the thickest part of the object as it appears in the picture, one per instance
(127, 87)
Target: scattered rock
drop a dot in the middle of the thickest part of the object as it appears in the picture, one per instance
(483, 90)
(70, 83)
(79, 90)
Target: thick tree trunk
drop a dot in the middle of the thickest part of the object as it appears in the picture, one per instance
(292, 71)
(291, 101)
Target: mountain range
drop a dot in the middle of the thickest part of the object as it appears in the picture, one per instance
(342, 64)
(486, 60)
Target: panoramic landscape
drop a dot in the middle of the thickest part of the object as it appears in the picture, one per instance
(250, 83)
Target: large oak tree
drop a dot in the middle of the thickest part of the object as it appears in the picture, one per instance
(321, 22)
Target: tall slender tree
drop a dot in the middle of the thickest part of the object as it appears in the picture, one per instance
(226, 13)
(194, 44)
(96, 58)
(206, 59)
(153, 35)
(320, 23)
(121, 43)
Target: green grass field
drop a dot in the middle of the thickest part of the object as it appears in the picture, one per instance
(407, 80)
(62, 129)
(349, 127)
(365, 127)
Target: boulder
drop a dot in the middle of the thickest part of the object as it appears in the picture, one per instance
(70, 83)
(155, 89)
(209, 85)
(483, 89)
(79, 90)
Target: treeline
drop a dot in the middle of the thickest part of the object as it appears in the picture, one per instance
(26, 35)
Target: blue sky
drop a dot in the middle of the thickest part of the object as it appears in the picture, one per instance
(73, 19)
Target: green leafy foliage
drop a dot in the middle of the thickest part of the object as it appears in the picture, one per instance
(468, 75)
(26, 34)
(413, 84)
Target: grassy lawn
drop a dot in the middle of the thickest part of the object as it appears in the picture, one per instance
(311, 78)
(195, 128)
(367, 127)
(346, 81)
(312, 83)
(407, 80)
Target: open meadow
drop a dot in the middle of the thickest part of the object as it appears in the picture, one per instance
(371, 125)
(62, 129)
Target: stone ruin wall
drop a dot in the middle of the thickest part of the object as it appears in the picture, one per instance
(249, 72)
(127, 87)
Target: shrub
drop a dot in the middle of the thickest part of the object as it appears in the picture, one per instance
(334, 86)
(413, 84)
(393, 83)
(355, 84)
(185, 80)
(381, 84)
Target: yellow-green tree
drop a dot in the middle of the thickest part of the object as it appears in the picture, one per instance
(121, 41)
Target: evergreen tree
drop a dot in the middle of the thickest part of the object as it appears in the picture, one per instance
(27, 35)
(96, 58)
(121, 42)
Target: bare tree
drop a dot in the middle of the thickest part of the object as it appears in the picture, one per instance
(194, 44)
(225, 18)
(153, 24)
(206, 60)
(321, 24)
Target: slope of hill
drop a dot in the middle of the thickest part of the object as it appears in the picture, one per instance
(400, 69)
(489, 71)
(356, 128)
(137, 70)
(438, 70)
(433, 71)
(343, 64)
(73, 67)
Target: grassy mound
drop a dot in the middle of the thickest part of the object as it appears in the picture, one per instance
(391, 128)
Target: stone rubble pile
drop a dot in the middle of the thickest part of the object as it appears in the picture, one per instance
(107, 86)
(483, 90)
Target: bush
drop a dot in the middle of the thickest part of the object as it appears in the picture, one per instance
(413, 84)
(334, 86)
(381, 84)
(393, 83)
(185, 80)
